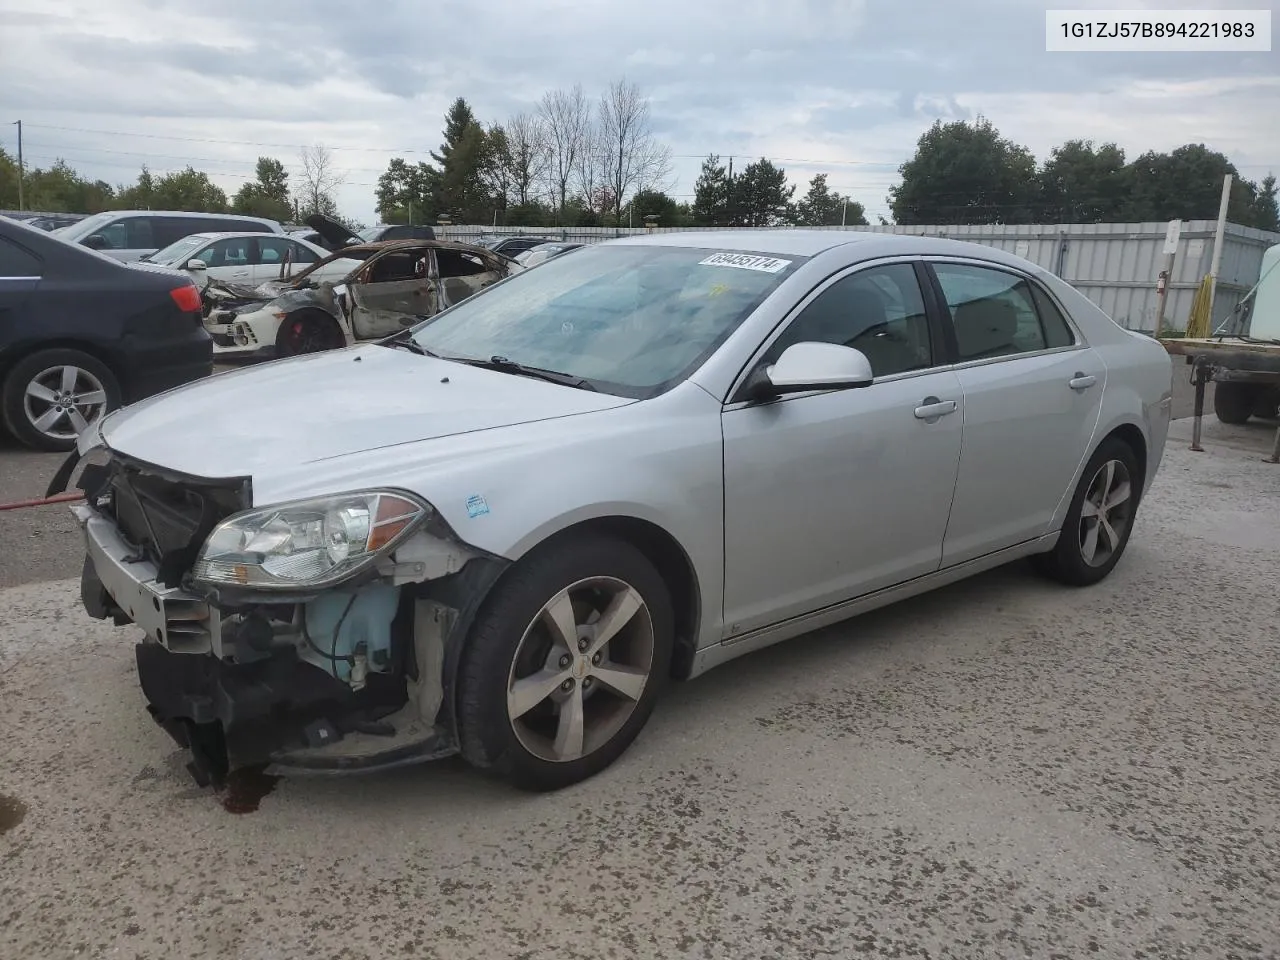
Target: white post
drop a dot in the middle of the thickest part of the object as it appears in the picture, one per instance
(1217, 243)
(844, 210)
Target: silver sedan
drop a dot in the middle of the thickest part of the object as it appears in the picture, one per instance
(502, 531)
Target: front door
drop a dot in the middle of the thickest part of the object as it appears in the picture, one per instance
(1032, 396)
(836, 494)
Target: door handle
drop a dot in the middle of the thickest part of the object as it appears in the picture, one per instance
(1082, 381)
(931, 408)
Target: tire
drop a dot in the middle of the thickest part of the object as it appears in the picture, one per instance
(1266, 403)
(517, 736)
(1069, 561)
(33, 391)
(1234, 402)
(308, 331)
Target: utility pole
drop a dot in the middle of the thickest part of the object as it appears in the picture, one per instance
(21, 170)
(1217, 244)
(844, 210)
(728, 201)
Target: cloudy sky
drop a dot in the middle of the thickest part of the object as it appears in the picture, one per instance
(838, 86)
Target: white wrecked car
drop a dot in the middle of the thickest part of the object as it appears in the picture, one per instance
(384, 288)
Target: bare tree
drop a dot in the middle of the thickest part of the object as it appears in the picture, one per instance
(631, 157)
(318, 181)
(526, 155)
(589, 170)
(566, 116)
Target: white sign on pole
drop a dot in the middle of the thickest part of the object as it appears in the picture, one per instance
(1171, 236)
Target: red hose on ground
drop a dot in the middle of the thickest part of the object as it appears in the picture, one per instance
(42, 501)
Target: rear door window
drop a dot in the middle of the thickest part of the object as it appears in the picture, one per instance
(455, 263)
(992, 311)
(167, 230)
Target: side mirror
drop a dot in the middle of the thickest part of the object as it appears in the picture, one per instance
(812, 366)
(95, 241)
(197, 265)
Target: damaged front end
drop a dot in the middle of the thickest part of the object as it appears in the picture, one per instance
(320, 635)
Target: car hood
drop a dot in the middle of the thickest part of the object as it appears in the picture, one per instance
(332, 231)
(325, 405)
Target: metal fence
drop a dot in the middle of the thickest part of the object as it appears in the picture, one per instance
(1116, 265)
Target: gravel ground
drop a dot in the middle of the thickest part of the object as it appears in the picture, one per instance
(1004, 768)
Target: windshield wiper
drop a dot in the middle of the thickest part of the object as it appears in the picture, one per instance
(539, 373)
(413, 346)
(405, 341)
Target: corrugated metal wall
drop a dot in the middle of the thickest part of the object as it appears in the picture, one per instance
(1114, 264)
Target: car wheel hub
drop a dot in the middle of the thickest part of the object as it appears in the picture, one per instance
(1105, 513)
(60, 402)
(580, 669)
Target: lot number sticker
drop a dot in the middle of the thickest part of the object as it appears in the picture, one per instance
(745, 261)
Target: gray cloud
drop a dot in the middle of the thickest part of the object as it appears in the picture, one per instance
(852, 80)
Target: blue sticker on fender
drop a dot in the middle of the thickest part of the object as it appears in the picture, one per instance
(477, 506)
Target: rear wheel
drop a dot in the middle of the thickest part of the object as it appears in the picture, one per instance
(1266, 403)
(564, 663)
(1098, 522)
(308, 331)
(1234, 402)
(51, 396)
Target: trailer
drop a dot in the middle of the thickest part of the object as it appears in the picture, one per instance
(1243, 366)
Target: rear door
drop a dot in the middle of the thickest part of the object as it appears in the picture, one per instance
(1032, 396)
(394, 291)
(272, 251)
(461, 274)
(20, 271)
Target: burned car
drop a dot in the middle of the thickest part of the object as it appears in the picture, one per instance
(392, 285)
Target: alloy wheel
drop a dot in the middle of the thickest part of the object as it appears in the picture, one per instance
(580, 669)
(1105, 513)
(61, 401)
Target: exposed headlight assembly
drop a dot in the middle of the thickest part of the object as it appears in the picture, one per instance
(308, 543)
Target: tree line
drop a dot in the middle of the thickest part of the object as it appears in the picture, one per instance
(61, 189)
(574, 162)
(968, 173)
(571, 162)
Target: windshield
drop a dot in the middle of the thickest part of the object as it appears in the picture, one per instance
(632, 320)
(87, 226)
(180, 251)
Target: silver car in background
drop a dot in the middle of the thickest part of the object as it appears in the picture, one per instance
(502, 531)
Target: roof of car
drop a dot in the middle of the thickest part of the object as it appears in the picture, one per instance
(799, 242)
(223, 234)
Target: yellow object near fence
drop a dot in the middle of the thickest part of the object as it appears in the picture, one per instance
(1198, 321)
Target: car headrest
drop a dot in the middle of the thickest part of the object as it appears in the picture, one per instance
(984, 327)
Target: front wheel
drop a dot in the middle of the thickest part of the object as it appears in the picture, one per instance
(1099, 520)
(308, 331)
(564, 663)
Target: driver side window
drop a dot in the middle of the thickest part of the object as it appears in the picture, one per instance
(879, 311)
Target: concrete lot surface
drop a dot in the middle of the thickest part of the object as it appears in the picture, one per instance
(1005, 768)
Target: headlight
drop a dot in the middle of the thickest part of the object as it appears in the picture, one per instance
(309, 543)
